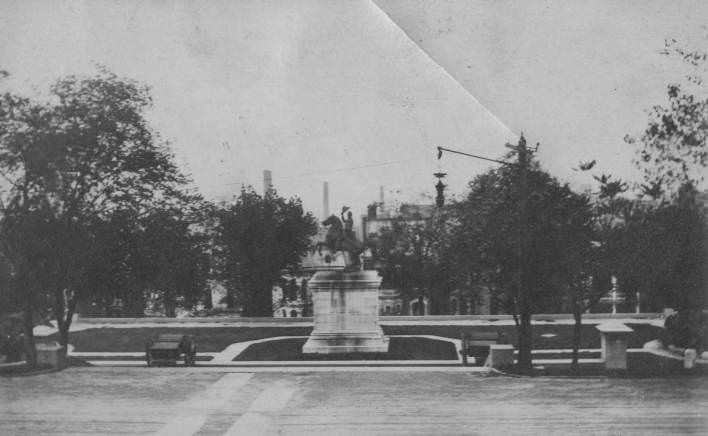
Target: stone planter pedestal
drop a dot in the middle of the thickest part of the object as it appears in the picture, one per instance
(346, 313)
(614, 338)
(501, 356)
(50, 354)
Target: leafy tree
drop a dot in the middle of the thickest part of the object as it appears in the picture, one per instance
(259, 237)
(662, 253)
(485, 240)
(174, 259)
(672, 152)
(409, 256)
(164, 251)
(70, 162)
(600, 259)
(114, 272)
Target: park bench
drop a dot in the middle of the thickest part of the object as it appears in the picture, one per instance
(168, 348)
(476, 345)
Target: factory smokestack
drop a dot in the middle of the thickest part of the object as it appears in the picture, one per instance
(325, 199)
(267, 181)
(381, 195)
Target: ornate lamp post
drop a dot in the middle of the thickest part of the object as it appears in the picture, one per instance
(440, 188)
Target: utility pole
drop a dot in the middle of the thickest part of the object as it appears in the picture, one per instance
(522, 298)
(523, 307)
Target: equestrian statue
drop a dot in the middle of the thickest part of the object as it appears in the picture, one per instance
(340, 238)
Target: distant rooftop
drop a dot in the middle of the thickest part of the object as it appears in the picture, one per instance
(406, 211)
(416, 211)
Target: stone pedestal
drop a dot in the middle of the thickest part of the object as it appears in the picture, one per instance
(689, 358)
(501, 356)
(614, 338)
(346, 313)
(50, 354)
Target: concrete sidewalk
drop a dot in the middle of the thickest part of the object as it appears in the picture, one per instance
(361, 401)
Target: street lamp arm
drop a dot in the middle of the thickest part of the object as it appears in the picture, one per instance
(441, 149)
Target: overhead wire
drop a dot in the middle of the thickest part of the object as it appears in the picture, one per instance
(336, 170)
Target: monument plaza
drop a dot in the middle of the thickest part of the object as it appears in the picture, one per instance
(344, 401)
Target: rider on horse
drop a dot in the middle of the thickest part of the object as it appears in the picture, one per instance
(341, 238)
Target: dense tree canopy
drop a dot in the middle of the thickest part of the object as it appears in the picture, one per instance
(485, 238)
(409, 257)
(69, 165)
(259, 236)
(667, 237)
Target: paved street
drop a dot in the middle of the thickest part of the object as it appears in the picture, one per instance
(366, 401)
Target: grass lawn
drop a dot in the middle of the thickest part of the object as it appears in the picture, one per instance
(639, 365)
(215, 339)
(563, 339)
(399, 349)
(140, 358)
(209, 339)
(24, 370)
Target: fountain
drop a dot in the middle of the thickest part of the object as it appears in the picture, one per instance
(613, 297)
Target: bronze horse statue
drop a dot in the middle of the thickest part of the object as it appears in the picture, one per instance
(338, 240)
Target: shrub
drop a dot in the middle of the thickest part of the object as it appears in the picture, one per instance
(687, 329)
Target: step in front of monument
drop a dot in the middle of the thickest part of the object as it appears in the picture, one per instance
(350, 342)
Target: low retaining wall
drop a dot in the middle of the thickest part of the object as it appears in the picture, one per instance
(382, 319)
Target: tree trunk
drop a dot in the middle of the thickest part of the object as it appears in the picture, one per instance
(230, 298)
(517, 323)
(106, 305)
(525, 334)
(28, 330)
(136, 303)
(65, 307)
(64, 340)
(170, 304)
(305, 298)
(578, 316)
(26, 295)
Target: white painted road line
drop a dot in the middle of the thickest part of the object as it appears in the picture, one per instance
(259, 416)
(191, 415)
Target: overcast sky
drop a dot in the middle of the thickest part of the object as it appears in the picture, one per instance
(360, 93)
